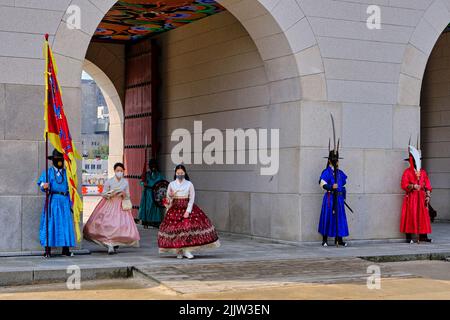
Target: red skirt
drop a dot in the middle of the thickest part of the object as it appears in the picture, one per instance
(193, 233)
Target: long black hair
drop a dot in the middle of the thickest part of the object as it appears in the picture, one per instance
(180, 166)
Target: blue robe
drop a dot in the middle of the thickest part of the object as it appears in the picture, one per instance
(61, 229)
(327, 224)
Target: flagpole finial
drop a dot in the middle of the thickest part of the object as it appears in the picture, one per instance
(46, 37)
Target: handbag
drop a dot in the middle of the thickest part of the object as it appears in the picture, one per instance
(126, 204)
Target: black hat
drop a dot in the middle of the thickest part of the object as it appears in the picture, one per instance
(152, 162)
(333, 154)
(56, 155)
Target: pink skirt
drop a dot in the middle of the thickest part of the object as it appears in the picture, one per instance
(110, 225)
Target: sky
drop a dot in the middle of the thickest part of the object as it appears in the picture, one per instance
(85, 76)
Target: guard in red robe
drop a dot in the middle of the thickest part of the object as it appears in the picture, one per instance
(415, 216)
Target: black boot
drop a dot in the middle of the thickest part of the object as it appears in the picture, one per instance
(409, 238)
(324, 241)
(48, 252)
(424, 238)
(340, 242)
(66, 252)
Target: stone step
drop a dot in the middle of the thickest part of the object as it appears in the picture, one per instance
(44, 276)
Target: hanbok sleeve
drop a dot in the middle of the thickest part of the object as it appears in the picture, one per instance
(42, 179)
(191, 198)
(106, 187)
(168, 196)
(127, 189)
(405, 181)
(323, 181)
(169, 192)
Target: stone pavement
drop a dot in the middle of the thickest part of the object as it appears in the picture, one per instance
(237, 255)
(221, 277)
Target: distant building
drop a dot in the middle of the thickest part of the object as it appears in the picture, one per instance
(95, 166)
(95, 119)
(95, 173)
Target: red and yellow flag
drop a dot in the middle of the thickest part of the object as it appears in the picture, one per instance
(57, 131)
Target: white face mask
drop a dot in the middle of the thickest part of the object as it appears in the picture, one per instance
(119, 174)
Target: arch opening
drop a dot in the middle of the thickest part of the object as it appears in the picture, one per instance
(435, 124)
(101, 135)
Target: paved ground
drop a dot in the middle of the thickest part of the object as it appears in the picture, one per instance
(240, 268)
(314, 280)
(234, 249)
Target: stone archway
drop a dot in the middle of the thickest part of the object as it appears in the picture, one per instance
(415, 96)
(416, 56)
(294, 69)
(418, 50)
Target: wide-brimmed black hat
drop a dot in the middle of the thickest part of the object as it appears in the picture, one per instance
(55, 155)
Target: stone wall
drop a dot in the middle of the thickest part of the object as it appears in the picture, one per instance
(212, 72)
(298, 60)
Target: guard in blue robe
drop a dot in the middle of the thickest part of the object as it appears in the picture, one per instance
(333, 220)
(60, 221)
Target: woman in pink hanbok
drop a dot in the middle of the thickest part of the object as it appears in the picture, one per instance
(112, 224)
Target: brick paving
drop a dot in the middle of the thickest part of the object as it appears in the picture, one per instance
(217, 277)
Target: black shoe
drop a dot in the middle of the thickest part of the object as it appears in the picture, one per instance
(409, 238)
(424, 238)
(66, 252)
(324, 241)
(48, 252)
(338, 241)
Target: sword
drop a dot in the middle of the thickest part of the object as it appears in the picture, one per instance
(348, 207)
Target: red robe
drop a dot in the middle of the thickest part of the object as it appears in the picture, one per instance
(415, 217)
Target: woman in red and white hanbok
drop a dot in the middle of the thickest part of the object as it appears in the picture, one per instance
(185, 227)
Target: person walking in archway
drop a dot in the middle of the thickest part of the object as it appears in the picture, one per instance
(185, 227)
(112, 224)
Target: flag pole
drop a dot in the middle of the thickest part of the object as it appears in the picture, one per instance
(47, 194)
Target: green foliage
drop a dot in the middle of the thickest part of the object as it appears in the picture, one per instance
(101, 152)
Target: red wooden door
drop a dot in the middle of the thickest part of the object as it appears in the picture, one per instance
(140, 117)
